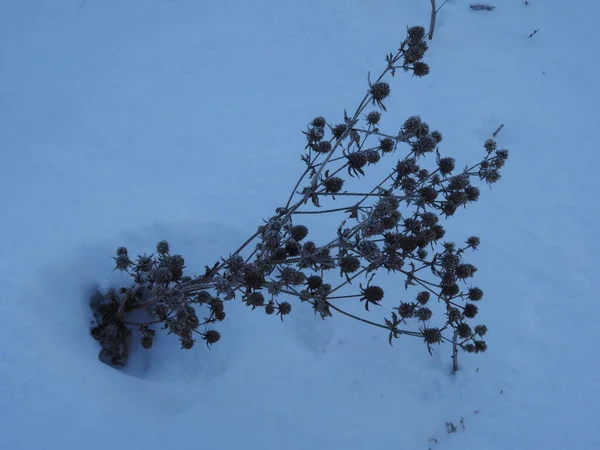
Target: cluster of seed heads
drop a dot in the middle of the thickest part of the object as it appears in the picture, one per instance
(394, 227)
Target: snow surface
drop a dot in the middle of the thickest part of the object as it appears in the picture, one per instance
(127, 122)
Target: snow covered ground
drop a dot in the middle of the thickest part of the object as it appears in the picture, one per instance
(127, 122)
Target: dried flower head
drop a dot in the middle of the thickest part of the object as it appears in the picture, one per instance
(470, 310)
(380, 90)
(420, 69)
(162, 248)
(338, 130)
(322, 147)
(387, 145)
(334, 185)
(211, 337)
(416, 33)
(475, 294)
(432, 335)
(349, 264)
(373, 117)
(318, 122)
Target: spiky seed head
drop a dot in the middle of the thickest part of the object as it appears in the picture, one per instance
(428, 194)
(416, 33)
(279, 254)
(322, 147)
(255, 299)
(373, 156)
(284, 308)
(338, 130)
(356, 160)
(490, 145)
(334, 184)
(480, 346)
(386, 145)
(472, 193)
(349, 264)
(432, 336)
(299, 232)
(162, 248)
(187, 342)
(451, 290)
(423, 297)
(423, 314)
(314, 282)
(437, 136)
(292, 247)
(270, 308)
(412, 125)
(406, 310)
(147, 341)
(465, 271)
(309, 247)
(211, 336)
(475, 294)
(446, 165)
(470, 310)
(380, 90)
(122, 262)
(502, 154)
(469, 348)
(464, 330)
(420, 69)
(429, 219)
(122, 251)
(373, 294)
(373, 117)
(453, 314)
(481, 330)
(318, 122)
(216, 306)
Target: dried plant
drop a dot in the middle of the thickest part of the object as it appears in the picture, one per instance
(393, 227)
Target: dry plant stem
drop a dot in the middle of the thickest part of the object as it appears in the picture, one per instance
(433, 17)
(455, 352)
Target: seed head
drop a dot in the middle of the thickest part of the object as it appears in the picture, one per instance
(292, 247)
(423, 297)
(122, 262)
(475, 294)
(211, 337)
(162, 248)
(446, 165)
(187, 342)
(322, 147)
(122, 251)
(420, 69)
(349, 264)
(270, 308)
(386, 145)
(423, 314)
(481, 330)
(338, 130)
(470, 310)
(334, 185)
(464, 330)
(432, 335)
(318, 122)
(380, 90)
(314, 282)
(373, 117)
(416, 33)
(480, 346)
(283, 309)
